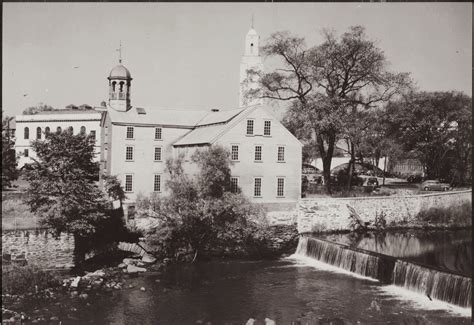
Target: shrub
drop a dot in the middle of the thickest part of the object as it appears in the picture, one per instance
(459, 215)
(17, 280)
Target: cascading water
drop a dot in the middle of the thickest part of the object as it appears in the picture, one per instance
(340, 256)
(454, 289)
(450, 288)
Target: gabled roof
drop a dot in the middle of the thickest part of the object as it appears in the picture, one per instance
(171, 117)
(209, 134)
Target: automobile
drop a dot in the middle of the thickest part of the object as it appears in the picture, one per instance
(435, 185)
(371, 181)
(415, 179)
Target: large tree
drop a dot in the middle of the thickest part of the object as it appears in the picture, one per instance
(433, 126)
(9, 158)
(328, 83)
(63, 189)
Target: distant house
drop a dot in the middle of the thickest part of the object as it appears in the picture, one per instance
(406, 167)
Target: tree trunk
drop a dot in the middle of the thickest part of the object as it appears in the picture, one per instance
(351, 165)
(326, 157)
(384, 169)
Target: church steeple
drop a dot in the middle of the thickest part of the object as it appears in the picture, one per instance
(119, 86)
(250, 67)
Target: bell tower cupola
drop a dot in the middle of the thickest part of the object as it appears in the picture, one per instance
(120, 82)
(251, 66)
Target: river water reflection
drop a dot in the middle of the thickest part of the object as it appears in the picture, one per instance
(284, 290)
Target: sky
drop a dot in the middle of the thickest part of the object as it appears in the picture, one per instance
(187, 55)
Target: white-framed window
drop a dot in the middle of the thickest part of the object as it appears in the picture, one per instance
(38, 133)
(26, 134)
(158, 134)
(157, 153)
(281, 153)
(129, 153)
(128, 183)
(250, 124)
(257, 187)
(26, 153)
(267, 128)
(234, 153)
(258, 153)
(280, 186)
(130, 132)
(234, 184)
(157, 183)
(93, 134)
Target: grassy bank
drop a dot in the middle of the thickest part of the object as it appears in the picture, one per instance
(16, 215)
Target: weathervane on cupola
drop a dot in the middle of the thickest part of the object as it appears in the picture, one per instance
(119, 86)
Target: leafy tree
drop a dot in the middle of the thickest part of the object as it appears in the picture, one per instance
(433, 125)
(200, 217)
(329, 82)
(62, 184)
(9, 158)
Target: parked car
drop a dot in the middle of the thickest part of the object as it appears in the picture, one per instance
(415, 179)
(435, 185)
(371, 181)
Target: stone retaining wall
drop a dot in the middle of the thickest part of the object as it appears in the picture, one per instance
(39, 247)
(332, 214)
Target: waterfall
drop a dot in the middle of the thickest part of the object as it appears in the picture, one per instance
(340, 256)
(444, 286)
(451, 288)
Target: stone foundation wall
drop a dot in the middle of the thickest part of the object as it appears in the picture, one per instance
(332, 214)
(39, 247)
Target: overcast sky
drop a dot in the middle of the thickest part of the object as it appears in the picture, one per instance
(184, 55)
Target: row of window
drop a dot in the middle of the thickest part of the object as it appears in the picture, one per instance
(129, 153)
(234, 185)
(267, 127)
(47, 130)
(129, 183)
(234, 153)
(130, 134)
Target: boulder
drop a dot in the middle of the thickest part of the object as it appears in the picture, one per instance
(148, 259)
(75, 282)
(135, 269)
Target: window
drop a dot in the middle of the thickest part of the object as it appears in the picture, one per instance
(258, 153)
(129, 154)
(93, 134)
(128, 183)
(47, 130)
(281, 153)
(129, 132)
(158, 133)
(26, 153)
(27, 133)
(83, 130)
(267, 127)
(234, 152)
(234, 184)
(280, 187)
(157, 153)
(250, 127)
(157, 183)
(58, 129)
(257, 187)
(38, 133)
(71, 129)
